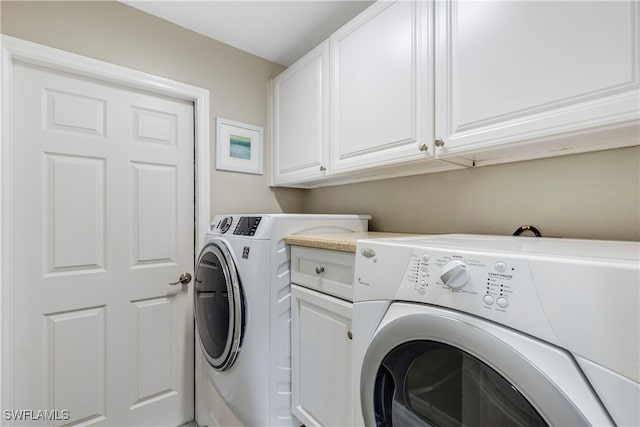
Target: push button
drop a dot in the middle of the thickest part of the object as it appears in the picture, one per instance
(500, 266)
(502, 302)
(488, 299)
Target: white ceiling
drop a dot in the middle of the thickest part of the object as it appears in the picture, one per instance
(280, 31)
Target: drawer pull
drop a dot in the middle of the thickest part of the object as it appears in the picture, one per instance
(319, 269)
(350, 335)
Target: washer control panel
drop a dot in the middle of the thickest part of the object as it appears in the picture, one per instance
(247, 225)
(237, 226)
(475, 283)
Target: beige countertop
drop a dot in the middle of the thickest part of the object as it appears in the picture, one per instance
(344, 242)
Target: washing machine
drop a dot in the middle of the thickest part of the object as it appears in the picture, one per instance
(242, 313)
(456, 330)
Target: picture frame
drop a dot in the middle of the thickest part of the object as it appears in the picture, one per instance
(239, 147)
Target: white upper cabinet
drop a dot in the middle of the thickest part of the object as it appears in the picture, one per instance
(301, 119)
(420, 86)
(381, 87)
(511, 71)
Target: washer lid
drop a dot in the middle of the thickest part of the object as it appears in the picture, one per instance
(218, 305)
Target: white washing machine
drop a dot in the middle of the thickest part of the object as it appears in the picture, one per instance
(242, 312)
(457, 330)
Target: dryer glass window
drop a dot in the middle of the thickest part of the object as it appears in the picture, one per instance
(212, 304)
(218, 306)
(434, 384)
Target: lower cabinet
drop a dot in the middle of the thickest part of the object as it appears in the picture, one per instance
(321, 358)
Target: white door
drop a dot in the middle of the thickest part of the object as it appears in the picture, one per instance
(103, 221)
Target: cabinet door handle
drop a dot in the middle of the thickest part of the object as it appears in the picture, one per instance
(322, 169)
(319, 269)
(439, 143)
(350, 334)
(423, 147)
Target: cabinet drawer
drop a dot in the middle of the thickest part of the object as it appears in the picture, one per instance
(327, 271)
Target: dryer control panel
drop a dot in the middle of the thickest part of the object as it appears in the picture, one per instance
(467, 281)
(497, 286)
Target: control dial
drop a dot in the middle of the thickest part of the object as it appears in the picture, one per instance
(225, 224)
(455, 274)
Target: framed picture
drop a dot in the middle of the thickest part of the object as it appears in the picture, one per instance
(238, 147)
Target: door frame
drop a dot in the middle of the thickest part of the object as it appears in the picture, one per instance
(18, 50)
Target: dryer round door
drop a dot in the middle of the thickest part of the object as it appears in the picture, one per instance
(218, 305)
(427, 366)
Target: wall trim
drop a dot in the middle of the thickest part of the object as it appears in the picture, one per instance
(17, 50)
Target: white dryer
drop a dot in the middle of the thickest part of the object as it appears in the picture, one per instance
(457, 330)
(242, 312)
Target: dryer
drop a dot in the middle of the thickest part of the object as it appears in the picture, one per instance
(242, 312)
(472, 330)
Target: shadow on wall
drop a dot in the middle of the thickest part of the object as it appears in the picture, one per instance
(591, 196)
(289, 197)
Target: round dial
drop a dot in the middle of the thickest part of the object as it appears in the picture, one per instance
(225, 224)
(455, 274)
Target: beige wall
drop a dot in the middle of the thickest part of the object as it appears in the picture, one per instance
(595, 195)
(116, 33)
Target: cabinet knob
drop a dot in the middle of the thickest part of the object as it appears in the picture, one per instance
(319, 269)
(350, 335)
(439, 143)
(322, 169)
(423, 147)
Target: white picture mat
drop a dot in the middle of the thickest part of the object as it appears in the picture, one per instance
(224, 159)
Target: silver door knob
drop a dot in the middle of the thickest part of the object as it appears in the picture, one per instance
(423, 147)
(319, 269)
(439, 143)
(322, 169)
(183, 279)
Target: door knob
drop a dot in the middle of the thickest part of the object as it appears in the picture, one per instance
(183, 279)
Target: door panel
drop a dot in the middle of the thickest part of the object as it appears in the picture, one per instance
(76, 342)
(103, 208)
(75, 206)
(152, 373)
(155, 211)
(75, 113)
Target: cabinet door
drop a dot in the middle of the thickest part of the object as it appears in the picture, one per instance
(510, 71)
(381, 87)
(301, 119)
(321, 358)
